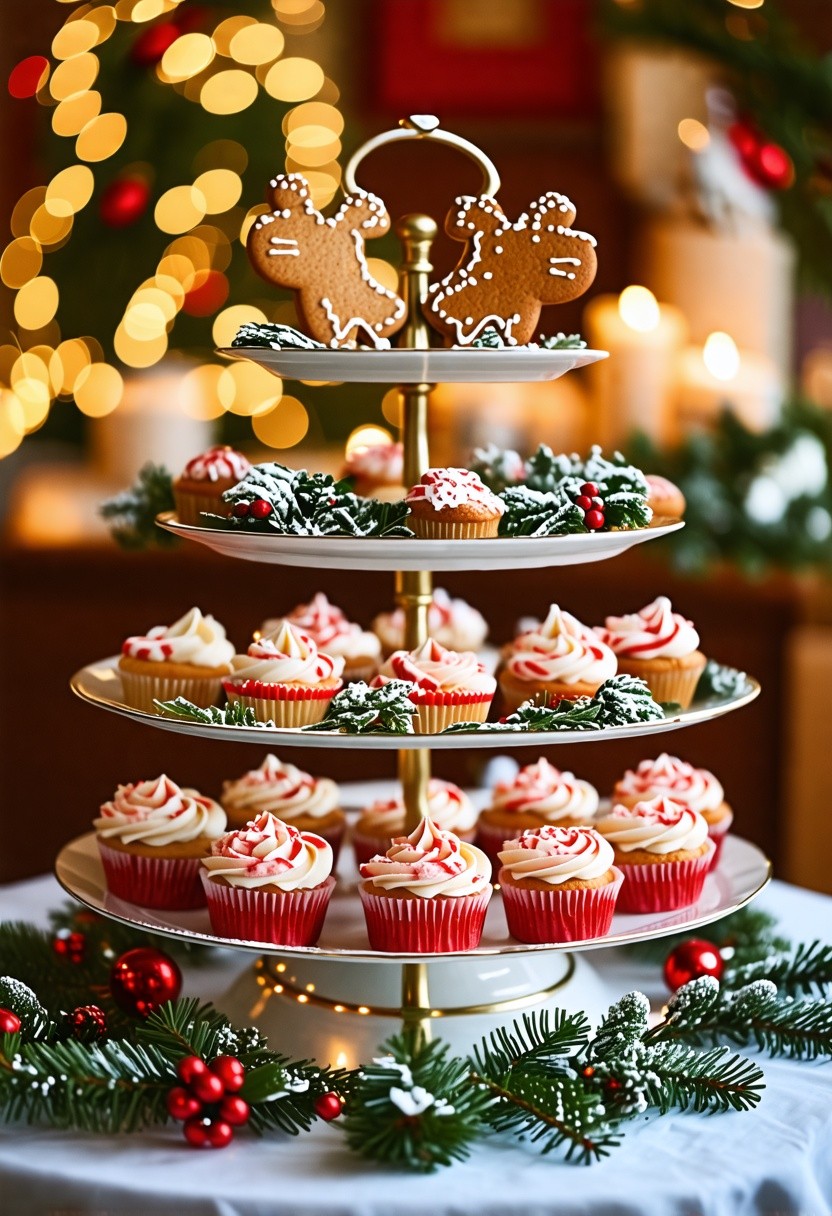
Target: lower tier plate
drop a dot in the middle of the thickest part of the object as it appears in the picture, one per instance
(99, 684)
(742, 873)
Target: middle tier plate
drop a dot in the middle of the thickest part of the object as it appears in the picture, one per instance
(379, 553)
(100, 684)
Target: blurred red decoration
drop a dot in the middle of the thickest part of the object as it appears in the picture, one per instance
(124, 201)
(152, 43)
(143, 979)
(690, 961)
(71, 946)
(88, 1023)
(28, 76)
(765, 162)
(210, 291)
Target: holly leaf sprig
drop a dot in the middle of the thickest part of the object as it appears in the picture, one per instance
(132, 514)
(274, 335)
(720, 681)
(620, 701)
(211, 715)
(361, 710)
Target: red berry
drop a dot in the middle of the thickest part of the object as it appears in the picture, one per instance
(235, 1110)
(195, 1131)
(190, 1068)
(240, 510)
(220, 1133)
(584, 502)
(260, 509)
(589, 488)
(207, 1087)
(594, 519)
(181, 1104)
(230, 1071)
(9, 1022)
(328, 1106)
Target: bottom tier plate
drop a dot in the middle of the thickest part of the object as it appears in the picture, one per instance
(742, 873)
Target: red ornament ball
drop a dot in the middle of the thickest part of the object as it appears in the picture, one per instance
(190, 1069)
(152, 43)
(328, 1106)
(9, 1022)
(690, 961)
(88, 1023)
(260, 509)
(29, 76)
(220, 1133)
(182, 1105)
(124, 201)
(235, 1110)
(143, 979)
(207, 1087)
(208, 293)
(773, 167)
(240, 510)
(230, 1071)
(594, 519)
(201, 1132)
(590, 489)
(584, 502)
(71, 946)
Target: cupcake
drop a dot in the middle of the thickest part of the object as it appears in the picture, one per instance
(203, 481)
(187, 659)
(284, 678)
(453, 504)
(664, 498)
(558, 884)
(427, 894)
(330, 630)
(449, 808)
(151, 837)
(310, 804)
(449, 685)
(560, 660)
(268, 882)
(670, 777)
(539, 795)
(376, 471)
(663, 849)
(451, 622)
(660, 647)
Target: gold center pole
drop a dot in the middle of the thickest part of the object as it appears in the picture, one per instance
(414, 588)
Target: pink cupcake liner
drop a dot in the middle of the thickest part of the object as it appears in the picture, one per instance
(172, 883)
(558, 915)
(664, 885)
(140, 691)
(285, 918)
(717, 833)
(424, 926)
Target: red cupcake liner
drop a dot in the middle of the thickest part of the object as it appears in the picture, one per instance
(424, 926)
(717, 833)
(260, 691)
(172, 883)
(285, 918)
(558, 915)
(664, 885)
(427, 696)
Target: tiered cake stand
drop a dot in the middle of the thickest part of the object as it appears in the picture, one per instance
(338, 1000)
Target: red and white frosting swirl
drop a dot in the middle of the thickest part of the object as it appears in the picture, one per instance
(557, 855)
(381, 463)
(219, 463)
(454, 488)
(656, 632)
(558, 651)
(541, 789)
(434, 669)
(430, 862)
(449, 808)
(158, 813)
(195, 639)
(452, 622)
(329, 629)
(658, 825)
(287, 656)
(269, 852)
(660, 489)
(281, 789)
(668, 776)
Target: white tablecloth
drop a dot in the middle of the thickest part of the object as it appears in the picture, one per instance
(774, 1161)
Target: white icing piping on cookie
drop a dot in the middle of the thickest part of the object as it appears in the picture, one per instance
(358, 323)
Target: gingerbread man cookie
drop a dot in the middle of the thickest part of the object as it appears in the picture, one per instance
(322, 261)
(509, 270)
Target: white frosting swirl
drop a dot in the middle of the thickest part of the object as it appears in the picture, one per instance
(433, 668)
(281, 789)
(195, 639)
(557, 651)
(541, 789)
(452, 622)
(658, 826)
(286, 656)
(656, 632)
(220, 463)
(329, 629)
(558, 855)
(671, 777)
(449, 807)
(158, 813)
(382, 463)
(428, 863)
(269, 852)
(443, 488)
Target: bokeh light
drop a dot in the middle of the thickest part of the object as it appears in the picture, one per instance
(179, 209)
(186, 57)
(36, 302)
(284, 425)
(98, 390)
(248, 389)
(101, 137)
(392, 407)
(228, 92)
(225, 327)
(367, 436)
(69, 191)
(258, 43)
(21, 261)
(294, 79)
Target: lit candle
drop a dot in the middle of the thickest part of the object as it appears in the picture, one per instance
(717, 376)
(633, 389)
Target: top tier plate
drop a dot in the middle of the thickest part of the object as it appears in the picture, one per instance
(511, 365)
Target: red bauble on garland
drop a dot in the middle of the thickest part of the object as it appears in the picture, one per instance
(71, 946)
(152, 43)
(9, 1022)
(88, 1023)
(207, 1102)
(690, 961)
(143, 979)
(124, 201)
(765, 162)
(328, 1106)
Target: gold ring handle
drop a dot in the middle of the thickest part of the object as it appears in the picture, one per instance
(423, 126)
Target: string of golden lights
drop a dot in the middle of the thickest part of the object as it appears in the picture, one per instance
(223, 72)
